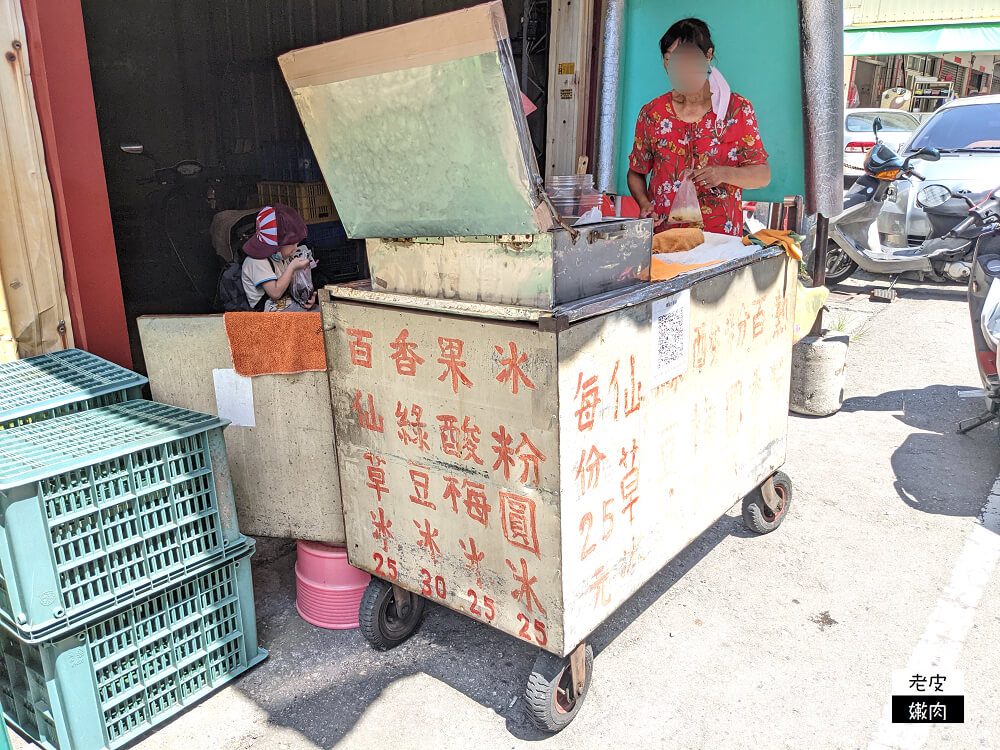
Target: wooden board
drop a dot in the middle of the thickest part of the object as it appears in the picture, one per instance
(284, 469)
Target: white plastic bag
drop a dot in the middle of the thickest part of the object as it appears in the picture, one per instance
(301, 289)
(685, 208)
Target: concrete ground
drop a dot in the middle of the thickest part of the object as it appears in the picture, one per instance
(782, 641)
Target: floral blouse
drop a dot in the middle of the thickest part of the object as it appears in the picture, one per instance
(665, 147)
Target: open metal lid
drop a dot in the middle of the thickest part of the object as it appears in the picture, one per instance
(419, 129)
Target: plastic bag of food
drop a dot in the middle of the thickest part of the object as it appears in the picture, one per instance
(301, 289)
(685, 208)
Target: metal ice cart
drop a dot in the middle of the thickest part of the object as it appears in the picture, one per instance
(527, 428)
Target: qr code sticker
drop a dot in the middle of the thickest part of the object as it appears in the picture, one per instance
(670, 336)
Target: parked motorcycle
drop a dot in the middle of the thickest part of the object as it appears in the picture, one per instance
(857, 239)
(980, 229)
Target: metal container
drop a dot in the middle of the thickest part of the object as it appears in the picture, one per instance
(439, 167)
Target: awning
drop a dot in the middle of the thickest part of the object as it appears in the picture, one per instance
(922, 39)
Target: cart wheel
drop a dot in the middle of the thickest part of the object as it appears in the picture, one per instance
(380, 623)
(757, 517)
(548, 691)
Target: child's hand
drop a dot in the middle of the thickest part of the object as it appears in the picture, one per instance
(297, 263)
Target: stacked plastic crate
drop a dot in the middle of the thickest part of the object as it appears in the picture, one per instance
(125, 588)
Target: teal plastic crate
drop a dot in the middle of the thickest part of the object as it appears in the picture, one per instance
(63, 382)
(104, 504)
(105, 684)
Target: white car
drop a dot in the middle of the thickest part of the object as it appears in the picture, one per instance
(897, 127)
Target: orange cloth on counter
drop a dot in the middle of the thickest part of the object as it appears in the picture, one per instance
(275, 343)
(776, 236)
(677, 240)
(662, 271)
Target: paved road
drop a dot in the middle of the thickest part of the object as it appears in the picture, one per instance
(781, 641)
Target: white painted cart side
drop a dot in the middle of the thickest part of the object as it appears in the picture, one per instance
(535, 479)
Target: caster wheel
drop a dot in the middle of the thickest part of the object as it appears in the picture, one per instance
(757, 517)
(382, 624)
(549, 691)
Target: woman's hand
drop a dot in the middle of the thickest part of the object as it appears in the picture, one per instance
(649, 212)
(711, 176)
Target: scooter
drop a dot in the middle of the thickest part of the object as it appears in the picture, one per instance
(855, 240)
(981, 229)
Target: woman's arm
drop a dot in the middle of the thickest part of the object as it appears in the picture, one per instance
(637, 186)
(748, 177)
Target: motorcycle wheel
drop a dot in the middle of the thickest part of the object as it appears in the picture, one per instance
(839, 265)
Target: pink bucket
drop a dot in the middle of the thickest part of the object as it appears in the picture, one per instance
(328, 589)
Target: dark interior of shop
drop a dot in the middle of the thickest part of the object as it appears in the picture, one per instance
(194, 81)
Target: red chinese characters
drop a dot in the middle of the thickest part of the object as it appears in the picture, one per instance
(451, 358)
(460, 442)
(367, 417)
(505, 454)
(512, 371)
(632, 394)
(472, 495)
(587, 393)
(601, 596)
(530, 457)
(517, 515)
(526, 451)
(630, 482)
(589, 469)
(382, 526)
(474, 559)
(421, 486)
(526, 592)
(411, 426)
(404, 354)
(781, 309)
(758, 317)
(376, 474)
(427, 534)
(360, 347)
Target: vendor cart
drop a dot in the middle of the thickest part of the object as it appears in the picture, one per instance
(527, 428)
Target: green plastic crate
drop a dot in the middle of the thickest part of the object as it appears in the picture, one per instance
(63, 382)
(107, 683)
(104, 504)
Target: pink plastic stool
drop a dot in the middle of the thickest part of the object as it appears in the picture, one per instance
(328, 589)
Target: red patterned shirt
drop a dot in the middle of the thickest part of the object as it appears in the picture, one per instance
(666, 146)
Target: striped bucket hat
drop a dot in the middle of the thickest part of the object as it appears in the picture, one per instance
(277, 225)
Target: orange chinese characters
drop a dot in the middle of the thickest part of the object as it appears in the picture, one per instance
(526, 590)
(589, 469)
(404, 354)
(633, 392)
(427, 535)
(376, 474)
(464, 445)
(472, 495)
(367, 418)
(512, 368)
(475, 559)
(530, 456)
(382, 526)
(517, 515)
(601, 596)
(505, 454)
(411, 426)
(451, 358)
(421, 486)
(360, 347)
(589, 399)
(758, 316)
(630, 482)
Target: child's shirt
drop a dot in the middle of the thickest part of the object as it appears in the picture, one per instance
(257, 271)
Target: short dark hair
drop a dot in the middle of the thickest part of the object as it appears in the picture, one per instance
(688, 31)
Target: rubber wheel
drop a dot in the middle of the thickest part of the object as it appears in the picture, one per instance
(755, 514)
(839, 265)
(547, 691)
(380, 624)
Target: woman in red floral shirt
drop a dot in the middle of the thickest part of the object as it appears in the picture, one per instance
(678, 135)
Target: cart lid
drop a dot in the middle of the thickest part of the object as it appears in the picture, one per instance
(419, 129)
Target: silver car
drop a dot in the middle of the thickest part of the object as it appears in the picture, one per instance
(967, 133)
(897, 128)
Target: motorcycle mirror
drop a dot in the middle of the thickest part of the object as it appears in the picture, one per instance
(928, 154)
(933, 196)
(877, 126)
(131, 147)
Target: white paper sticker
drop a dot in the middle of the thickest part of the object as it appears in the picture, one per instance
(670, 318)
(234, 397)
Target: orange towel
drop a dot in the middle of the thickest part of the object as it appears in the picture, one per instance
(781, 237)
(274, 343)
(661, 271)
(677, 240)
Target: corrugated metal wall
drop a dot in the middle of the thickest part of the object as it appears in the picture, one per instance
(865, 12)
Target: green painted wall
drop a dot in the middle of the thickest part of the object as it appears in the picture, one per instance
(757, 50)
